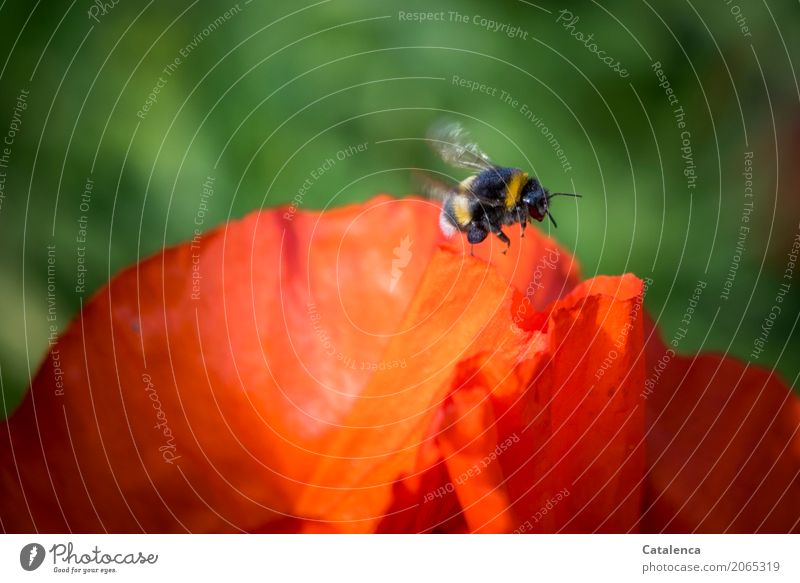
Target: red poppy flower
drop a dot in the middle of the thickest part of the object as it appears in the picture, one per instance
(348, 371)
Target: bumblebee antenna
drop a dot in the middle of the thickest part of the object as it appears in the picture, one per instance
(549, 196)
(552, 220)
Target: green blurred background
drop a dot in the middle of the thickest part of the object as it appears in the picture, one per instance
(265, 92)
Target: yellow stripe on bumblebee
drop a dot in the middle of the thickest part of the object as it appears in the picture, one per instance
(514, 188)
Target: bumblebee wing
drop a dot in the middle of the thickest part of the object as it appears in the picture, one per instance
(453, 145)
(435, 188)
(447, 194)
(441, 189)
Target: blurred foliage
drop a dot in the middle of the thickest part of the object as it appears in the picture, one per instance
(278, 88)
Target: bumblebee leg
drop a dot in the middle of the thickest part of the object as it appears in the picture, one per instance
(504, 238)
(523, 221)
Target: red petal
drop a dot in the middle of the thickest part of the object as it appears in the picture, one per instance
(579, 463)
(532, 421)
(250, 381)
(467, 445)
(723, 446)
(461, 308)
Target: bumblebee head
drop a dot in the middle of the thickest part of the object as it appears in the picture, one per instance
(538, 198)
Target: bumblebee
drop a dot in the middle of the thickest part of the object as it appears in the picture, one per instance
(494, 196)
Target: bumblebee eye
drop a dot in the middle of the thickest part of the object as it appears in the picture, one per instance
(538, 210)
